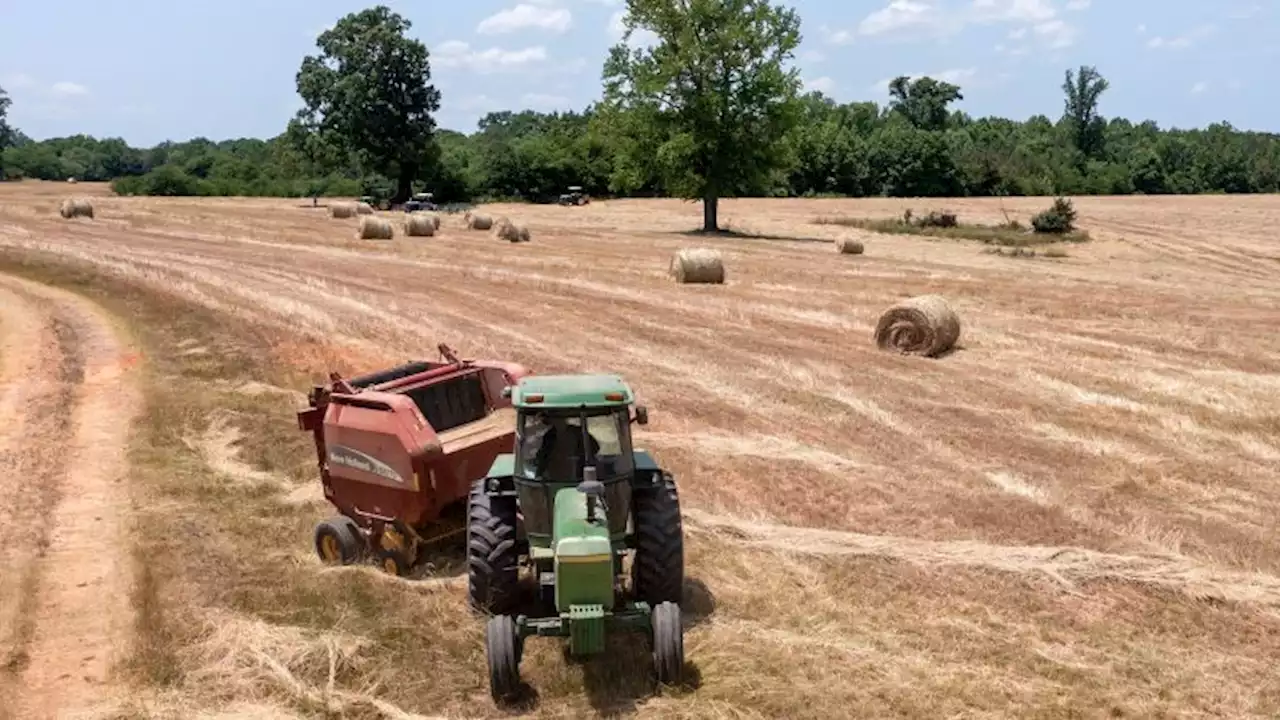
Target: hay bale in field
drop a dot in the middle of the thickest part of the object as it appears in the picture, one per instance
(697, 265)
(420, 225)
(76, 207)
(479, 222)
(342, 211)
(848, 246)
(375, 228)
(364, 208)
(435, 220)
(924, 325)
(511, 232)
(71, 180)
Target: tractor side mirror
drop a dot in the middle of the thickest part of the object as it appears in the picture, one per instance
(506, 392)
(642, 415)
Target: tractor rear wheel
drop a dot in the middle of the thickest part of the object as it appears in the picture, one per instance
(502, 649)
(493, 570)
(338, 541)
(657, 570)
(668, 643)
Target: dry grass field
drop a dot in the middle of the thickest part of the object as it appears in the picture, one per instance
(1073, 515)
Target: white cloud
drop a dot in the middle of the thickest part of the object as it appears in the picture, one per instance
(1181, 42)
(65, 89)
(640, 37)
(522, 16)
(1079, 4)
(898, 15)
(1199, 87)
(542, 101)
(929, 18)
(835, 37)
(456, 53)
(1142, 29)
(955, 76)
(17, 81)
(476, 103)
(1056, 33)
(1245, 12)
(813, 56)
(823, 85)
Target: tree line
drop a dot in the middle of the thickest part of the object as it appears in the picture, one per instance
(710, 110)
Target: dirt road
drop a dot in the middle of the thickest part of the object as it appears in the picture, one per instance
(66, 401)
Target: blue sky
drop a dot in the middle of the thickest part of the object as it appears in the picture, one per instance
(149, 70)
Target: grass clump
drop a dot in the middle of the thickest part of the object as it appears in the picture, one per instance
(1054, 225)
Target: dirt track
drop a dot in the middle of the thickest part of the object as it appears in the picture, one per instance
(65, 402)
(1120, 400)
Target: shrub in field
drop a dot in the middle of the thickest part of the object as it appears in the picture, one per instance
(1059, 219)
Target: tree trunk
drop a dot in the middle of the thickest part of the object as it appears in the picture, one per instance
(404, 188)
(710, 208)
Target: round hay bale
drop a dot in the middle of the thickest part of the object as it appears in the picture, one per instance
(848, 246)
(924, 325)
(375, 228)
(342, 211)
(435, 220)
(420, 225)
(71, 180)
(76, 207)
(511, 232)
(697, 265)
(364, 208)
(479, 222)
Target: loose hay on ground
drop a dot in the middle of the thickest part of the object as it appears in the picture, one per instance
(76, 207)
(924, 325)
(697, 265)
(848, 246)
(375, 228)
(420, 225)
(479, 222)
(342, 211)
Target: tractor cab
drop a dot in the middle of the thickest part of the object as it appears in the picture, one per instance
(575, 196)
(564, 425)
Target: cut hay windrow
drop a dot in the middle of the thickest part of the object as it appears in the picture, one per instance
(848, 246)
(76, 207)
(923, 325)
(420, 225)
(342, 211)
(697, 265)
(375, 228)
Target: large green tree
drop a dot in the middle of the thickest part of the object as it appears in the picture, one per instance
(923, 101)
(1083, 89)
(5, 132)
(712, 93)
(370, 89)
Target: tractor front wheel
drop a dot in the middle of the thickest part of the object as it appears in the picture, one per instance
(657, 570)
(502, 649)
(668, 643)
(338, 541)
(493, 555)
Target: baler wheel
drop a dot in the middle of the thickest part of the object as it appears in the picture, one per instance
(657, 570)
(668, 643)
(502, 649)
(394, 562)
(338, 541)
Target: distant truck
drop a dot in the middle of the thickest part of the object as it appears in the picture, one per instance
(575, 196)
(421, 201)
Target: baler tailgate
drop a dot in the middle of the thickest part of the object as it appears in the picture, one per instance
(491, 427)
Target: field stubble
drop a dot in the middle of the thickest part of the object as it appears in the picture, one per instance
(1072, 513)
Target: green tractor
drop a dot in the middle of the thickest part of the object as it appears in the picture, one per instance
(571, 503)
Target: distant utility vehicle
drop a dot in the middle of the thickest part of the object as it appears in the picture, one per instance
(575, 196)
(421, 201)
